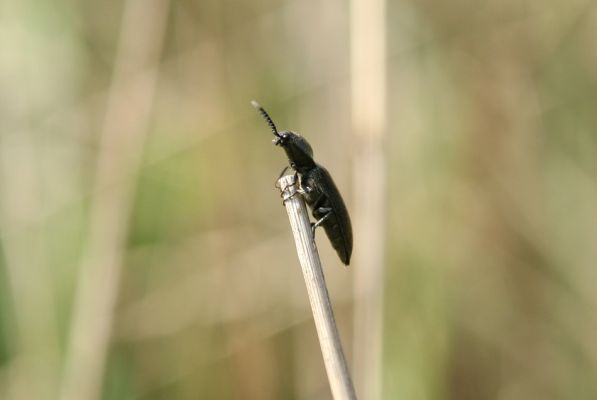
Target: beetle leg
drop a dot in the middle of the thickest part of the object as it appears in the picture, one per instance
(296, 179)
(278, 179)
(325, 211)
(303, 189)
(300, 189)
(318, 203)
(286, 197)
(283, 172)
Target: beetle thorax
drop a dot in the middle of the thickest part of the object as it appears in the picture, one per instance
(298, 150)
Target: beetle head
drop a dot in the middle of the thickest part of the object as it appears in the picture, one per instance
(292, 139)
(298, 150)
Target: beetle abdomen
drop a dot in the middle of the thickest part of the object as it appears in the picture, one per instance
(338, 239)
(325, 195)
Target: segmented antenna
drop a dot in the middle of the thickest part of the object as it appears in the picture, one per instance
(266, 116)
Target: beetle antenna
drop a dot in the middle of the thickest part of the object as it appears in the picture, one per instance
(265, 116)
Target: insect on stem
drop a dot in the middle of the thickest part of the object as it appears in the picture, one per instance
(317, 187)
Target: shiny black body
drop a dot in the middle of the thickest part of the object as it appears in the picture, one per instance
(318, 188)
(322, 196)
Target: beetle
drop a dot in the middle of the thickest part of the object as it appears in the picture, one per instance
(317, 187)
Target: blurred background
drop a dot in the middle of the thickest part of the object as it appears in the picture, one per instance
(144, 250)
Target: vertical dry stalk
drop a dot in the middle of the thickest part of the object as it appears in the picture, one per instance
(368, 86)
(323, 315)
(122, 139)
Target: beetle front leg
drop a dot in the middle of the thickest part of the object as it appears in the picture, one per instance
(300, 189)
(283, 172)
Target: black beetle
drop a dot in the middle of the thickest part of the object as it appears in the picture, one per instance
(317, 187)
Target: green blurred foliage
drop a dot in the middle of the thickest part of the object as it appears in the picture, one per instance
(491, 194)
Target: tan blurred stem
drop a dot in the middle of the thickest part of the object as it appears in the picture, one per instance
(122, 139)
(368, 98)
(323, 315)
(33, 343)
